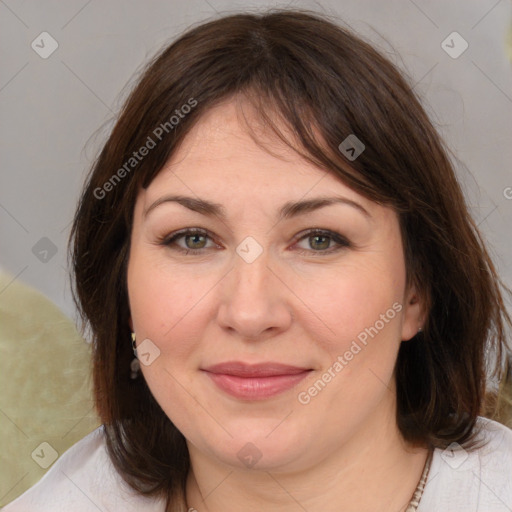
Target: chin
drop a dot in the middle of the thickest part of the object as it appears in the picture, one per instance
(269, 444)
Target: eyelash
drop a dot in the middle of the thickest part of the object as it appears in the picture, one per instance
(336, 237)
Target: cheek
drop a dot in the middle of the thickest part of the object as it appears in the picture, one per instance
(165, 307)
(362, 309)
(356, 299)
(162, 297)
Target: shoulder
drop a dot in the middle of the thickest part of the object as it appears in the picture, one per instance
(83, 479)
(474, 479)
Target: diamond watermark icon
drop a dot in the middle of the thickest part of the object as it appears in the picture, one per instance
(351, 147)
(147, 352)
(45, 455)
(249, 454)
(249, 249)
(454, 455)
(44, 45)
(44, 250)
(454, 45)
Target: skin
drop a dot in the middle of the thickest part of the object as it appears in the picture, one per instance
(340, 451)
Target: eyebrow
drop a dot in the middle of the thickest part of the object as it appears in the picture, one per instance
(287, 211)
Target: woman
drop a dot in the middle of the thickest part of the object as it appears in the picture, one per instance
(275, 230)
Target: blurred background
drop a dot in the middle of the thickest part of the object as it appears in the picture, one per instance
(66, 69)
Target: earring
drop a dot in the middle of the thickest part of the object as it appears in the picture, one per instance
(420, 329)
(134, 365)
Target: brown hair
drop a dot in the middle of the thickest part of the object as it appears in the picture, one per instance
(324, 83)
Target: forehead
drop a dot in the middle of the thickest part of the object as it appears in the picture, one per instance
(230, 148)
(234, 129)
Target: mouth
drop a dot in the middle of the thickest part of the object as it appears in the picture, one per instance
(255, 381)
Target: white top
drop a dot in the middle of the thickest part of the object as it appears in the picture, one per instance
(84, 480)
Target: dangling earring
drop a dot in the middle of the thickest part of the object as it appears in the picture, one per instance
(134, 365)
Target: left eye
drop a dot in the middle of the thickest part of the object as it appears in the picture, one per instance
(320, 241)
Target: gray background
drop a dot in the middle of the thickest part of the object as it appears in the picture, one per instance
(52, 108)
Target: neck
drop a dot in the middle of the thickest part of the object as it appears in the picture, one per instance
(373, 470)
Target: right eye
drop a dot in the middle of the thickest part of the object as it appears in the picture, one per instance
(194, 240)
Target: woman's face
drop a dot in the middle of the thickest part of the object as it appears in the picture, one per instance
(314, 295)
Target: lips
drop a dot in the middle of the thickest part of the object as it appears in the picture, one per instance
(255, 381)
(239, 369)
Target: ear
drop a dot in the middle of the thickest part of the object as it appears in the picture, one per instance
(413, 313)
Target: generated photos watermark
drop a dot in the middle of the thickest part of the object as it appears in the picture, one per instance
(304, 397)
(351, 147)
(151, 142)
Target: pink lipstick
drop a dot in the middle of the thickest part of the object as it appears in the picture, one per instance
(255, 381)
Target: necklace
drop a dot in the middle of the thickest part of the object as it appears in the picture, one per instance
(416, 497)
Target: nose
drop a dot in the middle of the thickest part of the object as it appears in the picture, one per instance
(255, 302)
